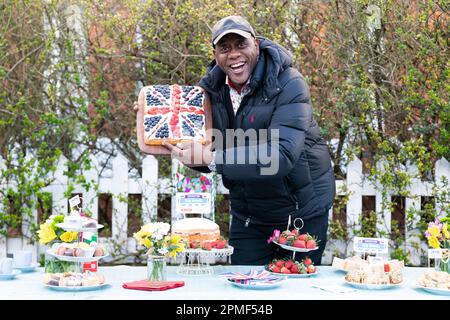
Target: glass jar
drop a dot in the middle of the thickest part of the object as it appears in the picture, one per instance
(443, 264)
(156, 268)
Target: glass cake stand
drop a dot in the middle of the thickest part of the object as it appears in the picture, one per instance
(195, 262)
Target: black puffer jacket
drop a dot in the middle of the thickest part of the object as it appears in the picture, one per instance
(279, 99)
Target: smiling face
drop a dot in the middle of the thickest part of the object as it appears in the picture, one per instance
(237, 57)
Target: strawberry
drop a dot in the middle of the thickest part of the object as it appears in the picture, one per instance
(285, 270)
(294, 268)
(282, 240)
(307, 261)
(290, 238)
(194, 244)
(221, 244)
(294, 232)
(207, 246)
(288, 264)
(311, 244)
(299, 244)
(285, 233)
(311, 269)
(387, 267)
(277, 270)
(301, 268)
(280, 263)
(270, 266)
(302, 237)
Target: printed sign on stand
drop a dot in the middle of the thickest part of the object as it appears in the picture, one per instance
(370, 245)
(193, 202)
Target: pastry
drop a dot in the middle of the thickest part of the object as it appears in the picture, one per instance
(174, 113)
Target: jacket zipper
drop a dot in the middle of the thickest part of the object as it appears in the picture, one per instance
(291, 195)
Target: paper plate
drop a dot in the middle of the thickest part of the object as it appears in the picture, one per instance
(77, 288)
(439, 291)
(9, 276)
(368, 286)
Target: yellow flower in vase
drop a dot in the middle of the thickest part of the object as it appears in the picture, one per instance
(46, 234)
(434, 231)
(69, 236)
(434, 242)
(445, 231)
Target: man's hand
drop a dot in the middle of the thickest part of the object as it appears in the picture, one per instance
(136, 106)
(191, 154)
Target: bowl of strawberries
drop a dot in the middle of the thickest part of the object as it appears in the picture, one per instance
(292, 268)
(293, 240)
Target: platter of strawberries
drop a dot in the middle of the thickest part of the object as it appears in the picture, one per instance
(292, 268)
(293, 240)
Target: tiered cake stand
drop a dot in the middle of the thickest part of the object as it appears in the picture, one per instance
(78, 261)
(195, 262)
(295, 249)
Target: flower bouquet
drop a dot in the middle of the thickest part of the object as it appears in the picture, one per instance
(49, 234)
(438, 236)
(161, 245)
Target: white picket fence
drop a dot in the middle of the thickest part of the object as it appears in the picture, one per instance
(119, 183)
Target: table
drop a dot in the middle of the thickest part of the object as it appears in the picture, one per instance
(29, 286)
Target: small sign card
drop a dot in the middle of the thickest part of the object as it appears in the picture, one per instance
(75, 201)
(193, 202)
(434, 253)
(370, 245)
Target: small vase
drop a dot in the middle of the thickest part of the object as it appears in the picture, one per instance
(444, 263)
(156, 268)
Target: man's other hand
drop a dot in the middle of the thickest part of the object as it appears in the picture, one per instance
(191, 154)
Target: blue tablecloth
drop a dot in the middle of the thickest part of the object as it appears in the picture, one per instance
(30, 286)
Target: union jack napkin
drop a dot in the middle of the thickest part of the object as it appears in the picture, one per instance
(253, 276)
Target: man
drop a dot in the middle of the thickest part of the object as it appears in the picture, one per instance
(252, 86)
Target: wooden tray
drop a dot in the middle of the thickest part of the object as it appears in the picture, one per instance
(160, 150)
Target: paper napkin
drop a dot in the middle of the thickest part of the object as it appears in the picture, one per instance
(152, 285)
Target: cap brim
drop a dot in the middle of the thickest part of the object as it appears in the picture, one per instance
(245, 34)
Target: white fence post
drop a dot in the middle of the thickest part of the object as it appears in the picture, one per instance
(355, 187)
(442, 172)
(149, 188)
(90, 197)
(119, 188)
(385, 224)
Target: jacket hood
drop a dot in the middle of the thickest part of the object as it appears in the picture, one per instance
(273, 60)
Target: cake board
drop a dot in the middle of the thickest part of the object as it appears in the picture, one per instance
(160, 150)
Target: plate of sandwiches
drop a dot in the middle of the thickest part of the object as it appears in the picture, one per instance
(436, 282)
